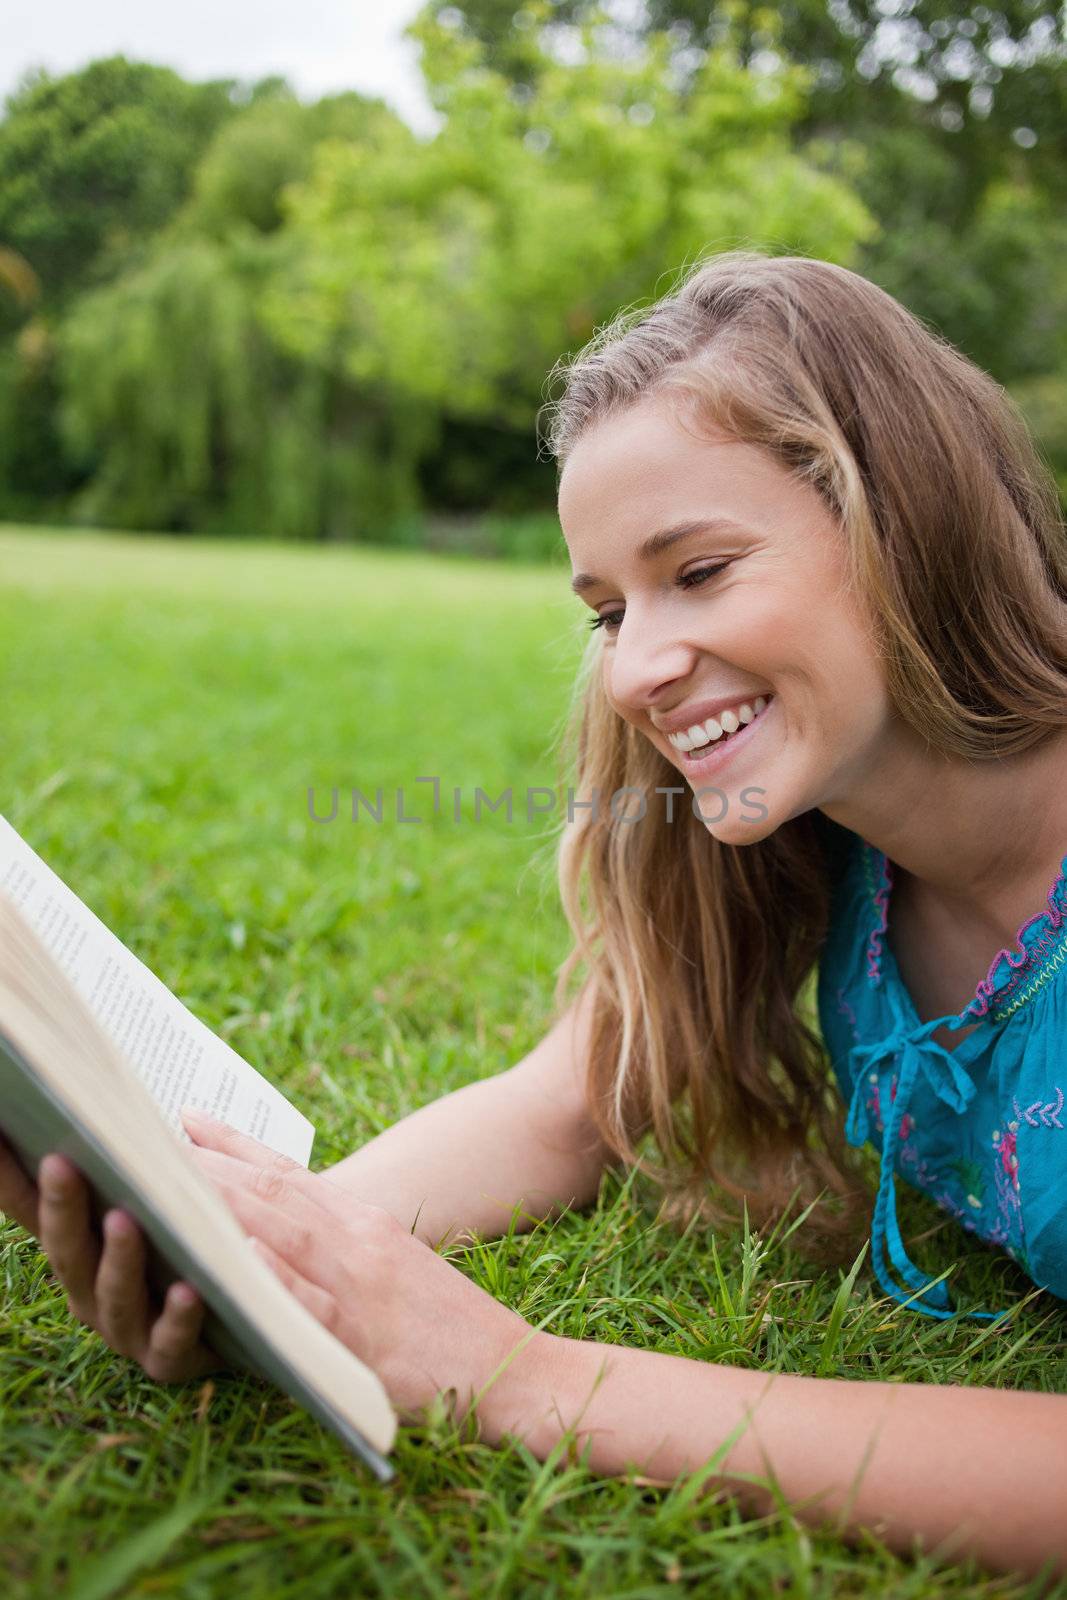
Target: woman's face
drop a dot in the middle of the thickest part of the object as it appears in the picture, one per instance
(680, 639)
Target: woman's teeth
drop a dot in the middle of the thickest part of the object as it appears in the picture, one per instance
(702, 734)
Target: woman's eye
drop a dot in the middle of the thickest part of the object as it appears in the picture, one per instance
(698, 574)
(612, 620)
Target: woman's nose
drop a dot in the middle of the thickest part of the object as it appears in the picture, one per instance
(645, 657)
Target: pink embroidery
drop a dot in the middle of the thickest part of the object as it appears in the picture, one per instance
(1020, 962)
(1047, 1115)
(1008, 1228)
(1021, 959)
(907, 1122)
(1005, 1227)
(881, 900)
(1044, 946)
(1005, 1144)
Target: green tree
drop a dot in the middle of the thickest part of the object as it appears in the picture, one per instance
(240, 180)
(956, 66)
(934, 111)
(97, 161)
(455, 271)
(184, 414)
(179, 407)
(92, 164)
(300, 378)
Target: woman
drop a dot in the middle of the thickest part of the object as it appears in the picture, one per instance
(827, 579)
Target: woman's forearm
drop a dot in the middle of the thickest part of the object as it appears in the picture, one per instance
(463, 1162)
(960, 1470)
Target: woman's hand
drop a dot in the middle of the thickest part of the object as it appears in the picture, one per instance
(409, 1315)
(106, 1287)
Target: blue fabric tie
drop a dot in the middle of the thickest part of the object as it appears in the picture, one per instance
(919, 1053)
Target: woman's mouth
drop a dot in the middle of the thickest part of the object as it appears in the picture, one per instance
(709, 757)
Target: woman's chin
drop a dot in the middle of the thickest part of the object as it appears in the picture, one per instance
(737, 831)
(734, 818)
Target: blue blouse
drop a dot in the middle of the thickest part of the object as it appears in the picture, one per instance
(982, 1128)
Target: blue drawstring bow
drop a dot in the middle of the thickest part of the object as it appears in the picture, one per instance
(919, 1053)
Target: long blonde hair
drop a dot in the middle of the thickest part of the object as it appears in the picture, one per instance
(700, 956)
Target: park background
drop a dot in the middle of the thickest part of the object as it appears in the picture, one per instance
(228, 310)
(270, 371)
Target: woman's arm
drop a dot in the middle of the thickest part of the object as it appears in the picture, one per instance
(463, 1162)
(459, 1163)
(957, 1471)
(963, 1471)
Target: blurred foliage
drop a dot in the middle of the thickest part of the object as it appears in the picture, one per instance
(232, 311)
(93, 164)
(528, 220)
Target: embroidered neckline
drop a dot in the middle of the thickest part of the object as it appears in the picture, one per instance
(1015, 975)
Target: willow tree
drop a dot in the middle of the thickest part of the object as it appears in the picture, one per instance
(294, 378)
(179, 405)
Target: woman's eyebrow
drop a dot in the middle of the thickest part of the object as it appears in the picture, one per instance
(657, 543)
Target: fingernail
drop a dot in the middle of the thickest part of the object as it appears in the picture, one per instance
(200, 1119)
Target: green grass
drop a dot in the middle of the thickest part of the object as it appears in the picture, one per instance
(167, 704)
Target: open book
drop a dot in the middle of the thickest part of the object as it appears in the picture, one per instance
(97, 1057)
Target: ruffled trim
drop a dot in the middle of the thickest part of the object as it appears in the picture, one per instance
(1043, 937)
(880, 894)
(1015, 974)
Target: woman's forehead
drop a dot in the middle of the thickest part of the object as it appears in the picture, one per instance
(638, 471)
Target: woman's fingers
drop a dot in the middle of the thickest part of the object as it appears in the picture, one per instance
(18, 1193)
(168, 1346)
(174, 1350)
(121, 1292)
(257, 1195)
(320, 1302)
(64, 1231)
(294, 1189)
(205, 1130)
(217, 1137)
(274, 1209)
(107, 1288)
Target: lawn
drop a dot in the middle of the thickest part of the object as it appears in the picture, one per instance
(168, 703)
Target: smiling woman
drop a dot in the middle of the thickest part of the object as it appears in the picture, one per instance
(827, 569)
(777, 485)
(852, 531)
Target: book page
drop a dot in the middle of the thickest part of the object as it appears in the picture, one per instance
(177, 1057)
